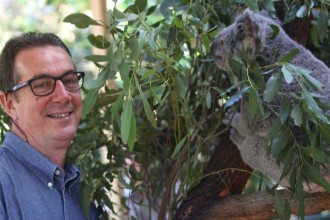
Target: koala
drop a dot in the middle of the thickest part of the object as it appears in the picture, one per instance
(251, 33)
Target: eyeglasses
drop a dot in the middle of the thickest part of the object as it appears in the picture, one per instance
(45, 85)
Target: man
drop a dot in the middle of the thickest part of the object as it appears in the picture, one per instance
(40, 92)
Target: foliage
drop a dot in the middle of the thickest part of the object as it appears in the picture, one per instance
(161, 121)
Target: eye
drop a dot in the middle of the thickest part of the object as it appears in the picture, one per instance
(42, 83)
(70, 78)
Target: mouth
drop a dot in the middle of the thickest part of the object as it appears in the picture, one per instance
(60, 115)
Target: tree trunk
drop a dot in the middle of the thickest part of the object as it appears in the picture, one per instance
(226, 174)
(259, 206)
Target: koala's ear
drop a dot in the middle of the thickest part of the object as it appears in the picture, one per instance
(246, 27)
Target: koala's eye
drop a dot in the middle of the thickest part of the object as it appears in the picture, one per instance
(240, 26)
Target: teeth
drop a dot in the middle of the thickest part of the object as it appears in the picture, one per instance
(59, 115)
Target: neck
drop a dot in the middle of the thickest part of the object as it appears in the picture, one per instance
(55, 151)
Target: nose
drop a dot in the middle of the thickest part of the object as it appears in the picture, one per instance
(60, 93)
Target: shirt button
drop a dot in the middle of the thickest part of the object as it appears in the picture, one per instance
(57, 172)
(50, 185)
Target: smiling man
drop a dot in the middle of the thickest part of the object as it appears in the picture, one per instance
(40, 92)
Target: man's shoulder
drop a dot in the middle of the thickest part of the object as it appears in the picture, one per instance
(6, 161)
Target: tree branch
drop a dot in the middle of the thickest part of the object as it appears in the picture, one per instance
(259, 206)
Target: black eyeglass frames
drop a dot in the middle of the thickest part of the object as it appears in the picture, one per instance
(45, 84)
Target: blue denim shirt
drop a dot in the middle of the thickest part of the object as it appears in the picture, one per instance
(33, 187)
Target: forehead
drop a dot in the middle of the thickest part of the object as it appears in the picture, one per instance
(52, 60)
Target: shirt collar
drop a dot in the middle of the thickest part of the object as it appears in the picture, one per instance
(39, 164)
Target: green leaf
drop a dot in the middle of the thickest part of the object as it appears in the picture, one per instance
(97, 58)
(276, 31)
(272, 87)
(147, 108)
(288, 57)
(300, 194)
(137, 7)
(316, 154)
(282, 207)
(324, 131)
(287, 162)
(80, 20)
(302, 11)
(117, 106)
(134, 46)
(124, 74)
(279, 142)
(285, 110)
(98, 41)
(312, 105)
(311, 82)
(178, 147)
(322, 24)
(275, 128)
(89, 102)
(100, 80)
(296, 114)
(157, 93)
(255, 104)
(85, 193)
(313, 174)
(132, 134)
(287, 75)
(236, 97)
(208, 100)
(126, 119)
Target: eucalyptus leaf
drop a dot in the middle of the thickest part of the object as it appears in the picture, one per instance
(285, 110)
(208, 99)
(236, 97)
(279, 142)
(275, 128)
(296, 114)
(126, 119)
(287, 74)
(178, 147)
(146, 105)
(272, 87)
(89, 102)
(98, 41)
(132, 134)
(312, 105)
(316, 154)
(276, 31)
(137, 7)
(313, 174)
(255, 104)
(322, 24)
(97, 58)
(288, 57)
(80, 20)
(99, 81)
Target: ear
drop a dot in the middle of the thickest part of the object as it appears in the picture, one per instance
(248, 32)
(246, 26)
(6, 101)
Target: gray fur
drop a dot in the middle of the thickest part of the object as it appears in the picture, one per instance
(251, 33)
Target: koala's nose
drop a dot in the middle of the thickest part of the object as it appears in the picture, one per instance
(215, 51)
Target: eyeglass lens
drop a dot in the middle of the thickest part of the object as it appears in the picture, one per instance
(46, 85)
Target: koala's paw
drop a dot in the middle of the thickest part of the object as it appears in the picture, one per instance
(235, 120)
(237, 132)
(236, 138)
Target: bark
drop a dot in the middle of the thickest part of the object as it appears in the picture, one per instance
(259, 206)
(226, 174)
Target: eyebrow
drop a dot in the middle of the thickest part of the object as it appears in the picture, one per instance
(50, 75)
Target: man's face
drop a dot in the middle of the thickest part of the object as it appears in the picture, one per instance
(52, 120)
